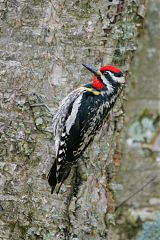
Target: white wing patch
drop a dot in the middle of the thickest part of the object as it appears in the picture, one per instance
(56, 143)
(58, 120)
(61, 113)
(71, 119)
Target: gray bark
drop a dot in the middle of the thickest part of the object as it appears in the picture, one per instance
(42, 47)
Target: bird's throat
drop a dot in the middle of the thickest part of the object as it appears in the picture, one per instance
(97, 84)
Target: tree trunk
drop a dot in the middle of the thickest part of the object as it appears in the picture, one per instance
(42, 46)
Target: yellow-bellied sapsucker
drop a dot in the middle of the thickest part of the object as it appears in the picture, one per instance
(80, 116)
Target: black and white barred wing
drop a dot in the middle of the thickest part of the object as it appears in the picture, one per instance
(61, 124)
(75, 124)
(61, 117)
(91, 115)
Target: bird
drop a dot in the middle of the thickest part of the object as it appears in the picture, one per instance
(80, 116)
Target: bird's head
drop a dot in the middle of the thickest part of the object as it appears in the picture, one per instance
(106, 77)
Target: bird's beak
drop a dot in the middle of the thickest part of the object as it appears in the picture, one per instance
(93, 70)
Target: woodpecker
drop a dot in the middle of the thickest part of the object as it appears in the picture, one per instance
(80, 116)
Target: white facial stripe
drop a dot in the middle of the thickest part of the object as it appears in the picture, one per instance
(104, 80)
(117, 79)
(107, 83)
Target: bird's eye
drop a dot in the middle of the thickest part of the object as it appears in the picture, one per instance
(106, 73)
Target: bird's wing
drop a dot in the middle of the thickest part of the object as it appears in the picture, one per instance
(75, 125)
(89, 119)
(61, 123)
(62, 114)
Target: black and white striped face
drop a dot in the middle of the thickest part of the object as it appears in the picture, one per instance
(109, 76)
(112, 77)
(111, 80)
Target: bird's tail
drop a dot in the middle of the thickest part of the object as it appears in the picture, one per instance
(52, 179)
(57, 177)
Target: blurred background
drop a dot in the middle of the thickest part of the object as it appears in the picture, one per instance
(141, 139)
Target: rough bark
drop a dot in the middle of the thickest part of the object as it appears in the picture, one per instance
(42, 47)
